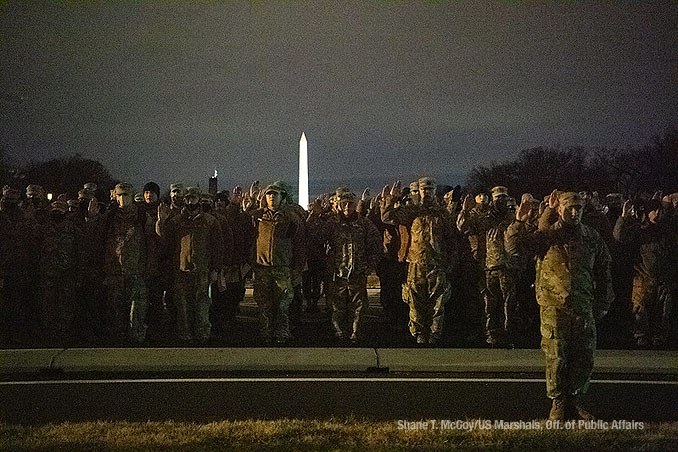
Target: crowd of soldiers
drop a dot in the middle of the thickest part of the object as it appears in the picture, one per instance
(84, 271)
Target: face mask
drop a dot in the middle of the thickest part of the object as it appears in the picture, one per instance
(192, 207)
(206, 207)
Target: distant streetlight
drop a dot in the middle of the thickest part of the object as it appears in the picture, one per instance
(49, 196)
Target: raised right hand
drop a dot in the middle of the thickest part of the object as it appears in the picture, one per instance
(523, 212)
(553, 199)
(469, 203)
(93, 208)
(163, 211)
(627, 209)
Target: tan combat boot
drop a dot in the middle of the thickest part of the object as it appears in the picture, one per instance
(558, 407)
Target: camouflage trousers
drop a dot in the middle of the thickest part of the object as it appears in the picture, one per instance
(57, 308)
(348, 298)
(312, 282)
(652, 310)
(568, 341)
(225, 307)
(273, 292)
(501, 307)
(426, 291)
(192, 301)
(126, 305)
(391, 275)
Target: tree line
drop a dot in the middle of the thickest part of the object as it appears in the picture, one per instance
(634, 172)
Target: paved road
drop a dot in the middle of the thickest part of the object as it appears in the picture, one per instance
(379, 397)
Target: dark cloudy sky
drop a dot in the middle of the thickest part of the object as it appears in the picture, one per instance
(170, 91)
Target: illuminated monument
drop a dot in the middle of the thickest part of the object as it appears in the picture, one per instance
(303, 172)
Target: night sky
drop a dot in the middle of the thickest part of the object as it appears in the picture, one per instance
(170, 91)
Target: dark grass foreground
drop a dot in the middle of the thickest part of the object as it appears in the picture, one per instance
(347, 434)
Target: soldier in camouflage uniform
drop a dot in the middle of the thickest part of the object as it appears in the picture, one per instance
(277, 250)
(17, 313)
(58, 269)
(195, 244)
(235, 274)
(218, 289)
(501, 315)
(574, 289)
(655, 273)
(314, 275)
(296, 272)
(432, 255)
(391, 267)
(36, 205)
(522, 266)
(177, 191)
(155, 280)
(121, 233)
(354, 246)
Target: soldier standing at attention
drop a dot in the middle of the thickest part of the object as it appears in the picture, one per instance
(574, 290)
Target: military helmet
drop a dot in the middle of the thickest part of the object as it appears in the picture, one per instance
(499, 192)
(274, 187)
(59, 206)
(123, 188)
(192, 192)
(34, 190)
(570, 198)
(85, 194)
(426, 182)
(178, 187)
(346, 196)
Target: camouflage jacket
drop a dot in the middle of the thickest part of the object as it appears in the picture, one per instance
(486, 236)
(241, 229)
(278, 238)
(433, 239)
(316, 250)
(59, 255)
(154, 245)
(226, 227)
(195, 241)
(354, 245)
(391, 235)
(19, 237)
(573, 266)
(654, 252)
(121, 234)
(474, 224)
(517, 258)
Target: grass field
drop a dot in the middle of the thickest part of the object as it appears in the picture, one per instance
(340, 435)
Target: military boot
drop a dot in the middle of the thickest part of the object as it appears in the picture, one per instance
(558, 408)
(580, 410)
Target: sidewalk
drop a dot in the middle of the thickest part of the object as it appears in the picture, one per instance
(27, 361)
